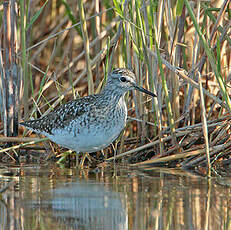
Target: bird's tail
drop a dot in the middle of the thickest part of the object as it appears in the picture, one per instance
(32, 125)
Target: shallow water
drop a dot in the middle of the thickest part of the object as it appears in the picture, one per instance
(49, 197)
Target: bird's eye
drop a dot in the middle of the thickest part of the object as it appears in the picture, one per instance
(123, 79)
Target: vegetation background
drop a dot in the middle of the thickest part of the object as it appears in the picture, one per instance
(65, 48)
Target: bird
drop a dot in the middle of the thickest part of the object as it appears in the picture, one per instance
(91, 123)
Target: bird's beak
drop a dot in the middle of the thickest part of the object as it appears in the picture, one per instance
(141, 89)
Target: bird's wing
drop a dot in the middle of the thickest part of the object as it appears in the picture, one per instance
(62, 116)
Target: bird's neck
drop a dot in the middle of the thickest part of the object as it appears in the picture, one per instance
(112, 95)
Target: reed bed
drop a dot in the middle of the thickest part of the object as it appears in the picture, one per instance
(180, 50)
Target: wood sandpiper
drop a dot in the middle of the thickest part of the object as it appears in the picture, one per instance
(90, 123)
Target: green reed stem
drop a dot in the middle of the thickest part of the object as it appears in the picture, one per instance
(24, 57)
(86, 47)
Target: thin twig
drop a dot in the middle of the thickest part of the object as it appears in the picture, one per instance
(204, 124)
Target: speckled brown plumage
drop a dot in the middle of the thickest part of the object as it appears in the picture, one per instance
(90, 123)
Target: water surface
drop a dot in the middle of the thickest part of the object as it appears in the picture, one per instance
(50, 197)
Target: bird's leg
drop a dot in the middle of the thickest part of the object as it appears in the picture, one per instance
(115, 151)
(86, 155)
(77, 159)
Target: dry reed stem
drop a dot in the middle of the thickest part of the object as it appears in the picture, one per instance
(176, 156)
(213, 150)
(204, 124)
(93, 63)
(53, 34)
(69, 28)
(76, 59)
(188, 130)
(146, 146)
(22, 145)
(9, 184)
(18, 139)
(219, 19)
(183, 74)
(224, 129)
